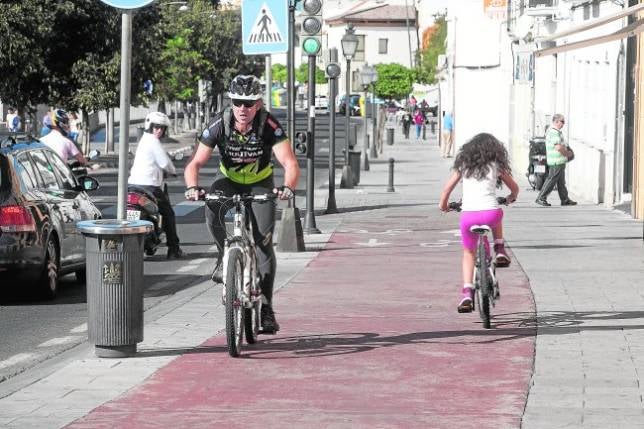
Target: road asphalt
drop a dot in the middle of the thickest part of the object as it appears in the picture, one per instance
(370, 334)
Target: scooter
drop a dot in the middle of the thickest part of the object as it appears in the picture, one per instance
(142, 205)
(79, 169)
(537, 166)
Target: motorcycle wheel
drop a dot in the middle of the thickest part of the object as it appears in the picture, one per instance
(538, 182)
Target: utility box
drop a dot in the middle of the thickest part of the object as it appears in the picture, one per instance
(114, 258)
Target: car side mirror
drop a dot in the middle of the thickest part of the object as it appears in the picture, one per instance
(93, 154)
(88, 183)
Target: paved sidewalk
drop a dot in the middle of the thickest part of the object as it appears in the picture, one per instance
(371, 337)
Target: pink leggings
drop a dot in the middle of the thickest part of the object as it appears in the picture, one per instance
(490, 218)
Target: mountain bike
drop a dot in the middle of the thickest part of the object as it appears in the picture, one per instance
(241, 294)
(486, 286)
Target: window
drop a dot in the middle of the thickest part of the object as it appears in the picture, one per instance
(359, 56)
(45, 169)
(69, 182)
(26, 171)
(382, 46)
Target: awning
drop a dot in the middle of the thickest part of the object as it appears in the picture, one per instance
(630, 30)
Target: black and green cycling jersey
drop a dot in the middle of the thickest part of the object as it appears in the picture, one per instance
(245, 158)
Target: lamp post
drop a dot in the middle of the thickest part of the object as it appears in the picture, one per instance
(366, 78)
(349, 46)
(374, 118)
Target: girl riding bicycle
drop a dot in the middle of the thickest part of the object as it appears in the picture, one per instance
(479, 163)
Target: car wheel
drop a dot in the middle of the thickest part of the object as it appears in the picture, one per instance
(49, 277)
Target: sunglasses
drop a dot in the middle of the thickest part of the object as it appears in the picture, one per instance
(245, 103)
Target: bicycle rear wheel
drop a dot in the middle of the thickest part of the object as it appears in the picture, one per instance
(234, 309)
(482, 286)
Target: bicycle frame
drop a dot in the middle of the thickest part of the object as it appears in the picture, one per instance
(243, 239)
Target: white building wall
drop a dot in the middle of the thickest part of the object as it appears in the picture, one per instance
(587, 91)
(480, 73)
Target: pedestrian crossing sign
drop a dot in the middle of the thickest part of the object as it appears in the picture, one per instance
(264, 27)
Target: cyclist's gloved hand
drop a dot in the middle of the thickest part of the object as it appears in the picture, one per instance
(284, 192)
(194, 193)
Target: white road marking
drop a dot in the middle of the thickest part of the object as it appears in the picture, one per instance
(455, 232)
(20, 357)
(79, 329)
(372, 243)
(58, 341)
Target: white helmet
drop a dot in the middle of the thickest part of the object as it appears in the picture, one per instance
(156, 118)
(245, 87)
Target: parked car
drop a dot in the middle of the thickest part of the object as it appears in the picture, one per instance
(354, 104)
(40, 203)
(321, 102)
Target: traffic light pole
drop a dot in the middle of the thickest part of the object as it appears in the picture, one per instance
(309, 219)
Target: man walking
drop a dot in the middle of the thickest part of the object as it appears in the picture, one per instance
(448, 128)
(557, 155)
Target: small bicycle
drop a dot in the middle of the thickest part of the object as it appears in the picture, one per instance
(486, 286)
(241, 296)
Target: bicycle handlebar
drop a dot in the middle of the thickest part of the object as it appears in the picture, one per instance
(238, 197)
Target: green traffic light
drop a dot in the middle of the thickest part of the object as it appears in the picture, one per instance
(311, 46)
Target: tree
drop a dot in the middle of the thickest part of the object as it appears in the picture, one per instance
(211, 53)
(394, 81)
(66, 53)
(433, 46)
(279, 73)
(302, 74)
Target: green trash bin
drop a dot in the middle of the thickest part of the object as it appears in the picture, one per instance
(114, 258)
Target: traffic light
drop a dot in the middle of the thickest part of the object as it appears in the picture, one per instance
(310, 40)
(301, 142)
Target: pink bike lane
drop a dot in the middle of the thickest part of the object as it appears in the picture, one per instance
(370, 339)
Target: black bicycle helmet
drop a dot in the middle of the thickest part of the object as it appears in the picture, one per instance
(60, 119)
(245, 87)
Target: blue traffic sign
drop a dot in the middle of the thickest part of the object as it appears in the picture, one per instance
(127, 4)
(264, 26)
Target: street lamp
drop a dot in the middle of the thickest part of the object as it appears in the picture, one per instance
(367, 76)
(373, 152)
(349, 46)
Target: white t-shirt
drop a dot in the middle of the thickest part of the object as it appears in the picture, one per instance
(63, 146)
(150, 161)
(480, 194)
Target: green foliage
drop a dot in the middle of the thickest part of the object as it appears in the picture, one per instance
(211, 41)
(66, 53)
(302, 74)
(394, 81)
(436, 47)
(279, 73)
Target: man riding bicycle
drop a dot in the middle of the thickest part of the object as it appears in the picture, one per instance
(246, 136)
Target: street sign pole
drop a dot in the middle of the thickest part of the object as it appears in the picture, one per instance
(124, 127)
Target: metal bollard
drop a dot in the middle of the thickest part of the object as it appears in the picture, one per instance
(390, 187)
(390, 136)
(432, 125)
(424, 132)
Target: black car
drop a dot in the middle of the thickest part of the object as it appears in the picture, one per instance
(40, 203)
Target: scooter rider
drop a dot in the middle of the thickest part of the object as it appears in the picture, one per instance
(58, 138)
(150, 162)
(246, 139)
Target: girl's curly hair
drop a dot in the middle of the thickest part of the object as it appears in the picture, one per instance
(475, 156)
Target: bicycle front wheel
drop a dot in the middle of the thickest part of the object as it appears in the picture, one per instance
(234, 308)
(251, 323)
